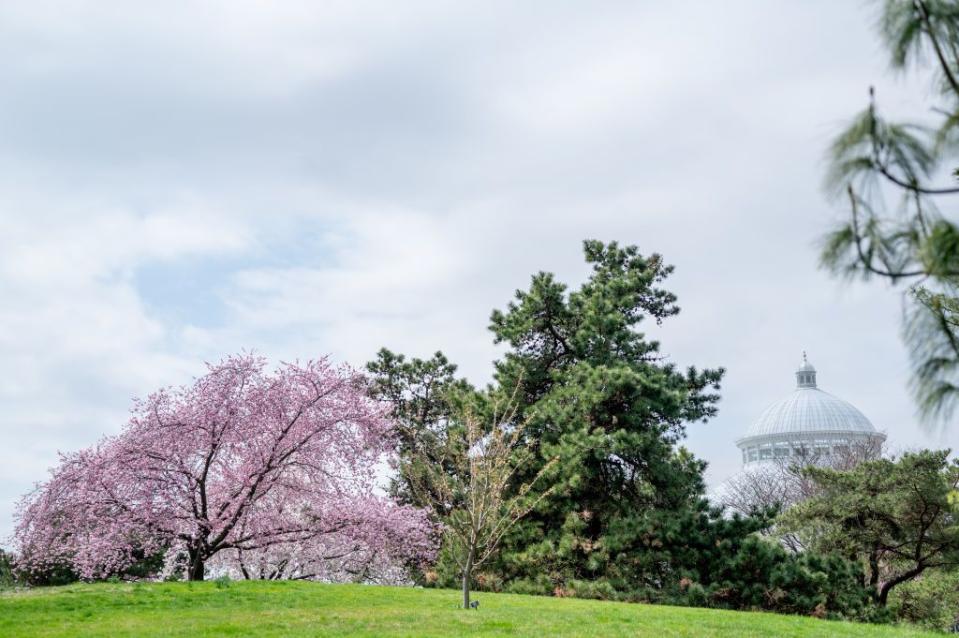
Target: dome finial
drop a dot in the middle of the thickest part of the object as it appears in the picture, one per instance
(806, 374)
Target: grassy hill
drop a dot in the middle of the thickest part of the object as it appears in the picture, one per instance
(307, 609)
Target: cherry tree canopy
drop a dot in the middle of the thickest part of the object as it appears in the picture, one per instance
(274, 468)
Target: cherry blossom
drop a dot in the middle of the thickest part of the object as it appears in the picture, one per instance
(271, 473)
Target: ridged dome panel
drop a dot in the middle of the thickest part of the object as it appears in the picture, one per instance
(809, 409)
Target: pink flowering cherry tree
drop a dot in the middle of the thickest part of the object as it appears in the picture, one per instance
(269, 473)
(379, 551)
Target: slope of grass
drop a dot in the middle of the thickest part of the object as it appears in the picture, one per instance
(308, 609)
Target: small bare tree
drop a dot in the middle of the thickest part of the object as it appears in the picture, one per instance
(780, 481)
(767, 485)
(470, 485)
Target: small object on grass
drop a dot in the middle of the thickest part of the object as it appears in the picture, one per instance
(474, 604)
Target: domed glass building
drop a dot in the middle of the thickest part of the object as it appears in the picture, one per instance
(807, 423)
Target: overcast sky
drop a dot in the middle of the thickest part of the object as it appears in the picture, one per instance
(179, 181)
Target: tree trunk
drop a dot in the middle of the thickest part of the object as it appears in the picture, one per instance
(197, 567)
(467, 572)
(883, 597)
(874, 569)
(243, 569)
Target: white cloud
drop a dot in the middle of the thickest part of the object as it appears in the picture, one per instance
(76, 340)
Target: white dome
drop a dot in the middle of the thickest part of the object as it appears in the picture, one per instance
(807, 410)
(808, 419)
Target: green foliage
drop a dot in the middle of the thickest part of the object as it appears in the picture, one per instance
(910, 29)
(602, 400)
(932, 333)
(7, 578)
(424, 395)
(898, 518)
(146, 565)
(56, 574)
(722, 562)
(910, 241)
(871, 145)
(931, 601)
(761, 575)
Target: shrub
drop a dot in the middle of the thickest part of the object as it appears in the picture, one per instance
(931, 602)
(7, 578)
(541, 585)
(51, 574)
(761, 575)
(597, 589)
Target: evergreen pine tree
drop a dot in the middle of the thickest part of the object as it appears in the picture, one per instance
(602, 399)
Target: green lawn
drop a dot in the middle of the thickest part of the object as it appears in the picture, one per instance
(307, 609)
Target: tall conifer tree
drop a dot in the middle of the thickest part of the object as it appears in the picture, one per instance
(602, 399)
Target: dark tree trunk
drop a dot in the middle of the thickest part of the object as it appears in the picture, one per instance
(197, 567)
(883, 597)
(874, 577)
(467, 572)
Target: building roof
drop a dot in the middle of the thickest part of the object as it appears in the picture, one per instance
(809, 410)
